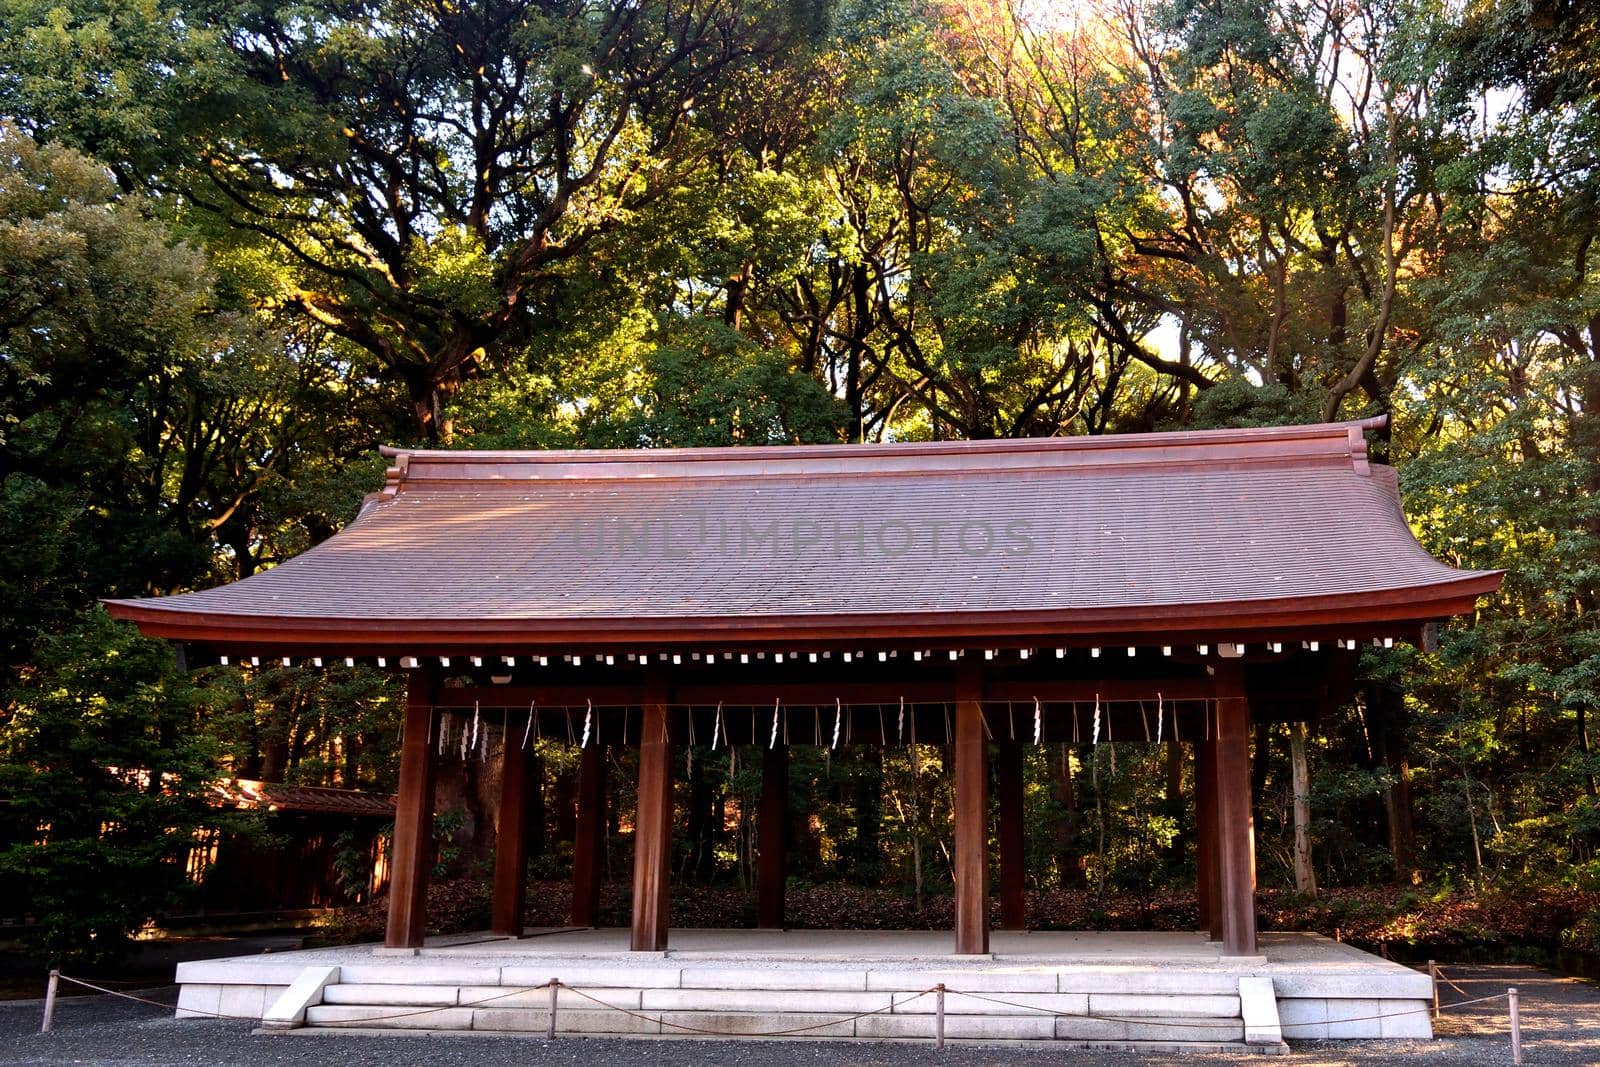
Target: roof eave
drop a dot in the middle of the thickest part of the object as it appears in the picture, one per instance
(1396, 607)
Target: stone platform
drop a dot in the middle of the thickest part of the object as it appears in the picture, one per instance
(1098, 989)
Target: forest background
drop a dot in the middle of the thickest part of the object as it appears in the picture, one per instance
(245, 242)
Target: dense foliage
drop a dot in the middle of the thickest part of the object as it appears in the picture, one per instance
(241, 244)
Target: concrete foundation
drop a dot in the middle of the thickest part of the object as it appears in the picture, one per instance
(1098, 989)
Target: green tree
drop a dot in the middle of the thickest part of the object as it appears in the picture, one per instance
(431, 174)
(104, 764)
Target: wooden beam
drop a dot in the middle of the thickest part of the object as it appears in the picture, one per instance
(652, 832)
(772, 825)
(1235, 830)
(589, 842)
(1013, 842)
(971, 817)
(511, 837)
(413, 819)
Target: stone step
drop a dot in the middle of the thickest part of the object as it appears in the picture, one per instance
(389, 1017)
(1125, 1004)
(801, 1024)
(787, 980)
(394, 995)
(1173, 1028)
(1059, 1028)
(957, 1002)
(764, 1000)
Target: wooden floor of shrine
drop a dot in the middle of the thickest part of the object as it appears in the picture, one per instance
(1093, 989)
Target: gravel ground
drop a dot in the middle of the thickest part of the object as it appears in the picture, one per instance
(1561, 1026)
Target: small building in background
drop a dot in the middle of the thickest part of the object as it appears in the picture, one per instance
(318, 848)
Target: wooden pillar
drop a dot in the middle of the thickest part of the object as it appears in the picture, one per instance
(1236, 846)
(971, 816)
(588, 843)
(652, 832)
(1205, 831)
(773, 824)
(1011, 831)
(413, 819)
(511, 837)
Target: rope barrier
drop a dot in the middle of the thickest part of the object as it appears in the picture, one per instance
(552, 985)
(662, 1021)
(257, 1018)
(659, 1019)
(1446, 980)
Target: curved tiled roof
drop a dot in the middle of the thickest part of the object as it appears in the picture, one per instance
(1135, 533)
(315, 799)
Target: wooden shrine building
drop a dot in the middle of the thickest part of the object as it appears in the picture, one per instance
(984, 595)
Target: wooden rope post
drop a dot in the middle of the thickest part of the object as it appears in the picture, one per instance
(938, 1016)
(1516, 1025)
(1433, 974)
(550, 1023)
(50, 1000)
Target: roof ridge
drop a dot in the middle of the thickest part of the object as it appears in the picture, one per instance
(998, 444)
(1344, 439)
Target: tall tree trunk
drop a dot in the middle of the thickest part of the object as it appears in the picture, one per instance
(738, 289)
(1402, 825)
(701, 815)
(566, 804)
(1069, 854)
(1175, 804)
(1305, 877)
(536, 827)
(1393, 752)
(861, 322)
(350, 773)
(916, 820)
(275, 749)
(868, 803)
(1260, 757)
(1583, 744)
(1472, 823)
